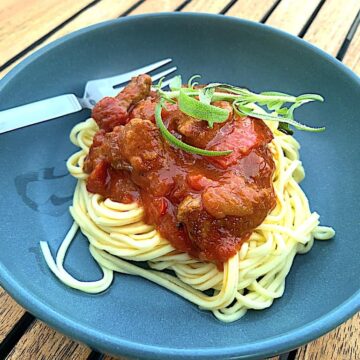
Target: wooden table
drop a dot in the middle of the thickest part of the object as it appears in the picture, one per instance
(27, 25)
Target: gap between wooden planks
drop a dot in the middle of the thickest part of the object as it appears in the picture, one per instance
(343, 343)
(352, 55)
(23, 22)
(321, 33)
(331, 25)
(296, 13)
(42, 342)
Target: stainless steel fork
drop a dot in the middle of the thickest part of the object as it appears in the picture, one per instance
(62, 105)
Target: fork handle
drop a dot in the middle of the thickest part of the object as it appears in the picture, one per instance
(38, 111)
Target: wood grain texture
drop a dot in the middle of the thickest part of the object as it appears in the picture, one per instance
(206, 6)
(10, 313)
(42, 342)
(109, 357)
(150, 6)
(352, 56)
(329, 28)
(102, 11)
(343, 343)
(292, 15)
(251, 10)
(24, 22)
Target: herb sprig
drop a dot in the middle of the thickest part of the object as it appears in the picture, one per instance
(178, 143)
(196, 102)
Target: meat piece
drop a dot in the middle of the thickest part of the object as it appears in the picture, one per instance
(223, 212)
(134, 147)
(210, 239)
(188, 206)
(112, 149)
(138, 148)
(110, 112)
(180, 189)
(97, 179)
(195, 132)
(113, 184)
(105, 147)
(199, 182)
(96, 153)
(234, 197)
(206, 206)
(256, 167)
(242, 136)
(145, 109)
(141, 146)
(138, 88)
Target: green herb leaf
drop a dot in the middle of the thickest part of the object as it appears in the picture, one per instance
(198, 110)
(280, 106)
(192, 83)
(265, 116)
(274, 105)
(273, 93)
(159, 84)
(228, 88)
(178, 143)
(310, 97)
(175, 83)
(205, 95)
(283, 111)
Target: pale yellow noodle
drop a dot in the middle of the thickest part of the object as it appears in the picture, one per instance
(250, 280)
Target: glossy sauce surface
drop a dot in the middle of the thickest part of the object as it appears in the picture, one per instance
(205, 206)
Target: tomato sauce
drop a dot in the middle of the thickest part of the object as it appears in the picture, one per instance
(205, 206)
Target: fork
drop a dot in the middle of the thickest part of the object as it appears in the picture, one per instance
(66, 104)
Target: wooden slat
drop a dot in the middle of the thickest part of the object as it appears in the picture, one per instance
(42, 342)
(151, 6)
(340, 344)
(102, 11)
(212, 6)
(24, 22)
(10, 313)
(108, 357)
(292, 15)
(105, 10)
(352, 55)
(330, 26)
(251, 10)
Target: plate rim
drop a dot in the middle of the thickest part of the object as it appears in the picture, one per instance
(112, 344)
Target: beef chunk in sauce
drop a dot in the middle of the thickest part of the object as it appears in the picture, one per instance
(112, 111)
(206, 206)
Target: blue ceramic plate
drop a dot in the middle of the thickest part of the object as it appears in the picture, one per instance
(135, 317)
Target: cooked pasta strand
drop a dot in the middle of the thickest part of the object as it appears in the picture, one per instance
(252, 279)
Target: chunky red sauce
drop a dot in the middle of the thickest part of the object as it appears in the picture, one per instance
(205, 206)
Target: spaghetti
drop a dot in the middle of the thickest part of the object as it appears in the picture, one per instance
(251, 279)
